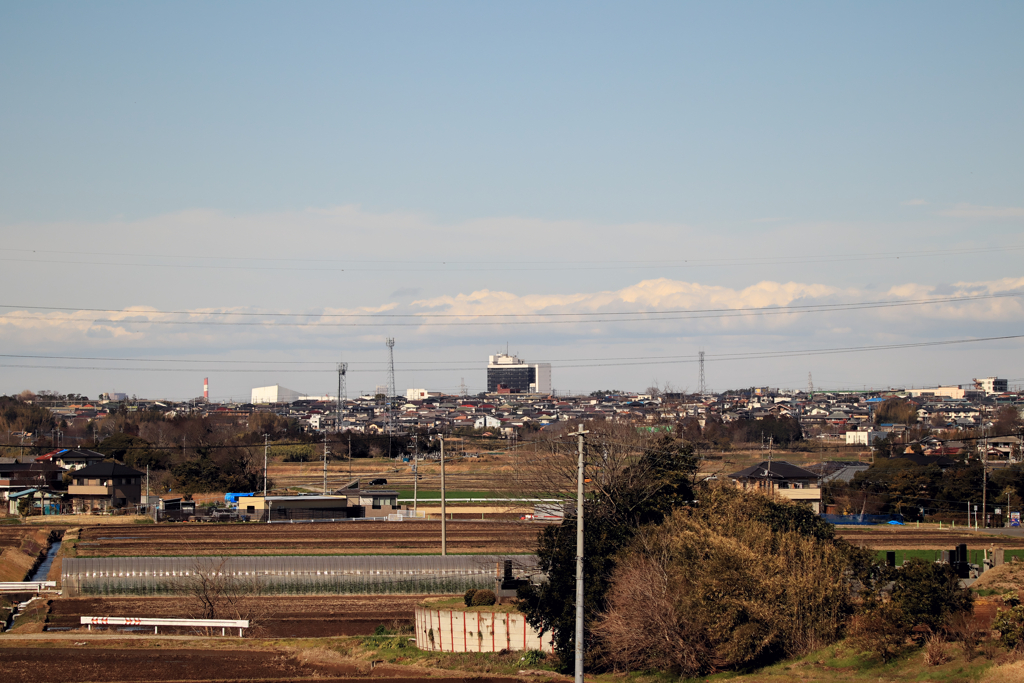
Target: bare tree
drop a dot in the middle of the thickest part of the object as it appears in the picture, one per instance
(212, 591)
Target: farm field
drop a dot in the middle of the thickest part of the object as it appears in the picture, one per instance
(283, 617)
(911, 538)
(164, 659)
(353, 538)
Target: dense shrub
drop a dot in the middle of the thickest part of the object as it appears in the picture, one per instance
(484, 597)
(1010, 622)
(468, 597)
(738, 581)
(929, 593)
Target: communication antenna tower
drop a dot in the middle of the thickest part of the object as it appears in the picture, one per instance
(702, 387)
(342, 392)
(391, 380)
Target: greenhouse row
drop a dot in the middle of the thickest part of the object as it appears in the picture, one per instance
(291, 575)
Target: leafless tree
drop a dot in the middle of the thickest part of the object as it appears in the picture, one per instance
(211, 591)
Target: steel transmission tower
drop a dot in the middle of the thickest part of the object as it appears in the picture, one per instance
(342, 392)
(810, 385)
(702, 387)
(391, 381)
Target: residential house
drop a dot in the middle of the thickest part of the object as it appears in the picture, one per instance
(105, 486)
(782, 479)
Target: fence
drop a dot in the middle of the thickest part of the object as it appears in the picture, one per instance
(295, 575)
(27, 586)
(457, 631)
(222, 624)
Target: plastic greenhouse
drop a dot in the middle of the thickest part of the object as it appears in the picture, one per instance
(293, 575)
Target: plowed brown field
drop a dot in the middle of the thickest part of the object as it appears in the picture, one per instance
(99, 662)
(909, 538)
(291, 617)
(307, 539)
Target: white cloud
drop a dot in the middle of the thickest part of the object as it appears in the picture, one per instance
(964, 210)
(914, 202)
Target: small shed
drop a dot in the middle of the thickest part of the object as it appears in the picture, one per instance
(39, 501)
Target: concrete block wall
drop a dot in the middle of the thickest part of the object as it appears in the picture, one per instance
(458, 631)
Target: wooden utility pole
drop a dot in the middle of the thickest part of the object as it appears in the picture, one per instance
(266, 451)
(444, 528)
(579, 557)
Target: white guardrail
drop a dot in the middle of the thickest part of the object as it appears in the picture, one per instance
(21, 586)
(222, 624)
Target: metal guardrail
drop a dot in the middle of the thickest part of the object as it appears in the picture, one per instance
(21, 586)
(222, 624)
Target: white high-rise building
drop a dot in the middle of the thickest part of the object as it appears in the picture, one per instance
(991, 385)
(518, 376)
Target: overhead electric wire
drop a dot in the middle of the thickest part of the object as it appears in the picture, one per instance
(753, 355)
(443, 265)
(587, 316)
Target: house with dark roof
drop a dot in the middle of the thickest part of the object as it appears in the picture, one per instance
(72, 459)
(781, 479)
(20, 476)
(105, 486)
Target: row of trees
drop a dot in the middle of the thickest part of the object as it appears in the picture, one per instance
(899, 485)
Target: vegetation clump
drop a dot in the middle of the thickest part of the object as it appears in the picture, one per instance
(483, 597)
(736, 581)
(1009, 622)
(468, 597)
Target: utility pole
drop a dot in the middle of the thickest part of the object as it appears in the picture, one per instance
(266, 451)
(350, 455)
(444, 528)
(415, 474)
(984, 492)
(579, 557)
(325, 462)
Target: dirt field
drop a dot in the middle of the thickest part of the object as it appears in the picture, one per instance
(292, 617)
(910, 538)
(64, 662)
(306, 539)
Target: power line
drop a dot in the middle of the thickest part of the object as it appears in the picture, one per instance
(302, 264)
(687, 313)
(654, 360)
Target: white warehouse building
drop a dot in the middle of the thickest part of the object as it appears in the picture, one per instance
(274, 394)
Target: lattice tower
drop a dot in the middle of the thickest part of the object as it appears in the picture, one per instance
(391, 381)
(342, 392)
(702, 386)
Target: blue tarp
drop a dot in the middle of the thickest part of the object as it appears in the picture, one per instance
(862, 520)
(233, 497)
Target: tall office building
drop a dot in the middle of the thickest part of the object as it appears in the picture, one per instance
(518, 376)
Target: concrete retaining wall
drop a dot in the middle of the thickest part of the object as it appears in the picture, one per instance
(458, 631)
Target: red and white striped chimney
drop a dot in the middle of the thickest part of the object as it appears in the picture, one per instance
(206, 388)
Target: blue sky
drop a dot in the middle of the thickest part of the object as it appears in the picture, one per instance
(311, 157)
